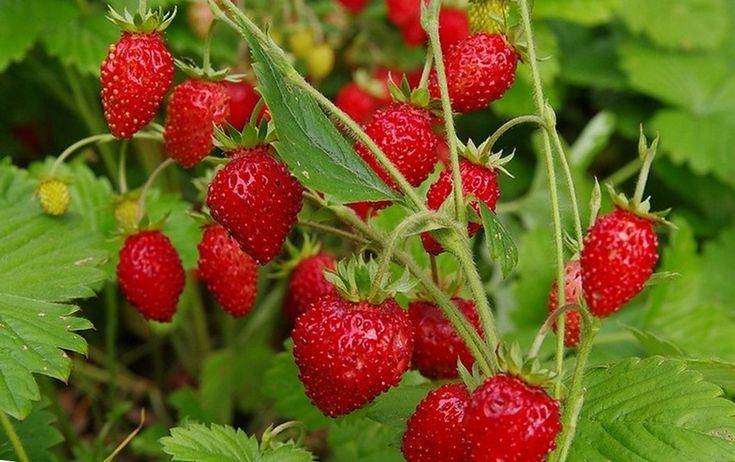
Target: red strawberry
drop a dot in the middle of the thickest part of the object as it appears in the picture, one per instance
(572, 294)
(256, 199)
(511, 421)
(243, 99)
(434, 432)
(617, 259)
(136, 74)
(437, 346)
(230, 274)
(454, 26)
(413, 33)
(308, 284)
(479, 70)
(150, 274)
(354, 6)
(477, 180)
(356, 102)
(350, 352)
(195, 107)
(401, 12)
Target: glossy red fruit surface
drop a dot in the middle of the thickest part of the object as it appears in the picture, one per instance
(618, 258)
(480, 69)
(196, 107)
(508, 420)
(136, 75)
(437, 345)
(572, 294)
(256, 199)
(477, 180)
(230, 274)
(243, 99)
(348, 353)
(307, 284)
(434, 431)
(150, 274)
(454, 26)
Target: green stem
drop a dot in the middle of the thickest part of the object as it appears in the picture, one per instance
(147, 186)
(121, 172)
(206, 65)
(199, 317)
(576, 393)
(389, 247)
(545, 328)
(539, 101)
(434, 269)
(526, 119)
(431, 25)
(335, 231)
(458, 245)
(623, 173)
(640, 185)
(426, 72)
(15, 441)
(246, 24)
(142, 6)
(570, 181)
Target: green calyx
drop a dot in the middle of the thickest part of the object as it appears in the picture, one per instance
(296, 254)
(481, 155)
(354, 278)
(511, 361)
(249, 137)
(190, 68)
(144, 22)
(418, 97)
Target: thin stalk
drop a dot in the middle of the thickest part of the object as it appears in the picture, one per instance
(526, 119)
(246, 24)
(121, 171)
(458, 245)
(539, 101)
(390, 246)
(623, 173)
(640, 185)
(426, 72)
(206, 64)
(576, 393)
(570, 182)
(432, 29)
(15, 441)
(144, 192)
(545, 328)
(335, 231)
(434, 269)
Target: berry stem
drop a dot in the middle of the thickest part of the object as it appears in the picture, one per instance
(144, 192)
(206, 62)
(576, 393)
(121, 175)
(428, 62)
(434, 269)
(530, 119)
(244, 24)
(569, 180)
(15, 441)
(647, 158)
(458, 245)
(547, 115)
(545, 328)
(142, 6)
(430, 21)
(389, 248)
(335, 231)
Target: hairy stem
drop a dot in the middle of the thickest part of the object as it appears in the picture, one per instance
(15, 441)
(431, 25)
(539, 101)
(545, 328)
(335, 231)
(147, 186)
(570, 182)
(122, 178)
(526, 119)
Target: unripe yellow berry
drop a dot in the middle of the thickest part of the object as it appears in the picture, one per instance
(320, 61)
(126, 215)
(487, 15)
(300, 42)
(53, 194)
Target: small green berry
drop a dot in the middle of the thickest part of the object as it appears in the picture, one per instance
(53, 194)
(126, 215)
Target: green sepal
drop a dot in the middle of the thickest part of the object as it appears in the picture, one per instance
(481, 155)
(250, 136)
(472, 379)
(145, 23)
(190, 68)
(418, 97)
(296, 254)
(511, 361)
(642, 209)
(354, 279)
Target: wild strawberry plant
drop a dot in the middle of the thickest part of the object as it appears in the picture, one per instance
(364, 316)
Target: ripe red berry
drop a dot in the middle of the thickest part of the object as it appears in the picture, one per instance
(434, 432)
(195, 107)
(243, 99)
(617, 259)
(348, 353)
(413, 33)
(454, 26)
(354, 6)
(308, 284)
(477, 180)
(150, 274)
(230, 274)
(480, 69)
(136, 75)
(357, 103)
(401, 12)
(437, 345)
(572, 294)
(256, 199)
(511, 421)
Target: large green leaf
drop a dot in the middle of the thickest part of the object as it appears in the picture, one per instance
(653, 409)
(315, 151)
(706, 22)
(37, 434)
(45, 262)
(579, 11)
(500, 245)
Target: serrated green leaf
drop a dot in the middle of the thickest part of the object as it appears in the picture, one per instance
(653, 409)
(218, 443)
(45, 260)
(395, 406)
(37, 434)
(363, 440)
(317, 154)
(286, 453)
(499, 243)
(706, 22)
(17, 32)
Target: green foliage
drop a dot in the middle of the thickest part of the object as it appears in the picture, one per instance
(37, 434)
(499, 243)
(653, 409)
(45, 263)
